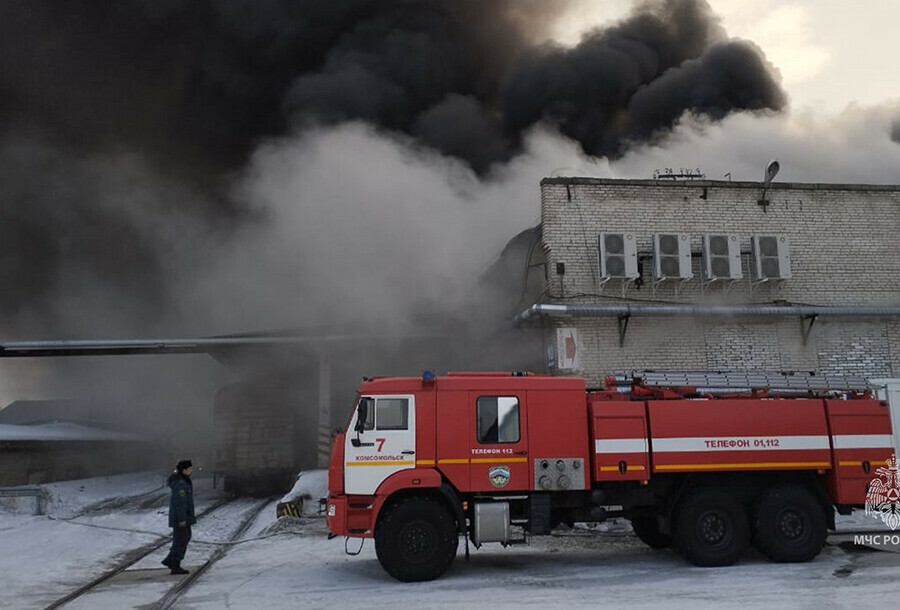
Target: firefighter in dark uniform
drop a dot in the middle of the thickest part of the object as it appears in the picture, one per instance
(181, 515)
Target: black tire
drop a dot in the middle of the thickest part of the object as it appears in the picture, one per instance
(790, 524)
(416, 539)
(710, 528)
(646, 527)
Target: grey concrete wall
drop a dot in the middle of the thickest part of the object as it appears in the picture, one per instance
(33, 462)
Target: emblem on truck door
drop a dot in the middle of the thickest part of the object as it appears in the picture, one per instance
(499, 475)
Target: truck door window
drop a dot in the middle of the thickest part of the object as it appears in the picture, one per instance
(497, 419)
(392, 414)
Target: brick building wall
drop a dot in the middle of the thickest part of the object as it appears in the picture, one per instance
(843, 249)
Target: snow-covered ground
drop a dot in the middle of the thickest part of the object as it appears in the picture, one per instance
(89, 526)
(290, 563)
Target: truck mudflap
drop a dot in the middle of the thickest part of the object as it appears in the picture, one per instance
(862, 443)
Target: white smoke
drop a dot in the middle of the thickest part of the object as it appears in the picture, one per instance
(853, 146)
(360, 226)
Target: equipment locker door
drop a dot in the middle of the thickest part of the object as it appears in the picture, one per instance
(619, 433)
(498, 443)
(862, 441)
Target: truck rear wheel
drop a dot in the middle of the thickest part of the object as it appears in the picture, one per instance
(790, 524)
(646, 528)
(710, 528)
(416, 539)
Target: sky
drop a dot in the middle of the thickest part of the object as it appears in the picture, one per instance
(830, 53)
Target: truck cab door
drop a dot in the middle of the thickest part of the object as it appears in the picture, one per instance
(385, 443)
(498, 445)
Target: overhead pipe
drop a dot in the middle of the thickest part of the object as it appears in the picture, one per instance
(626, 310)
(109, 347)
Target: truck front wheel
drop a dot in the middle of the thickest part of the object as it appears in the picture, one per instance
(416, 539)
(710, 528)
(790, 524)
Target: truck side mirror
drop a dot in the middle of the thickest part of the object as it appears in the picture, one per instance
(362, 417)
(362, 414)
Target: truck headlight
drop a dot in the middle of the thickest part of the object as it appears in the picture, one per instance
(332, 510)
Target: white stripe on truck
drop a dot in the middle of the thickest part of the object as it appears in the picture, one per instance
(739, 443)
(620, 445)
(863, 441)
(683, 444)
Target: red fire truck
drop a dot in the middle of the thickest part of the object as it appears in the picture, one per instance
(707, 467)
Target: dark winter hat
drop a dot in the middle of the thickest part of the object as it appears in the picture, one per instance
(183, 464)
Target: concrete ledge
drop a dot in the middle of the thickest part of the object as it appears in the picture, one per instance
(775, 186)
(24, 492)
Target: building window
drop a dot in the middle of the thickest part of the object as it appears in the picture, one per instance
(392, 414)
(497, 419)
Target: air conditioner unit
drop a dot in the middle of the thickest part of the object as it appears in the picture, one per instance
(618, 256)
(672, 256)
(771, 257)
(722, 257)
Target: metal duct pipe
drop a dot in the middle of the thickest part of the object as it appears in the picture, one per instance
(617, 310)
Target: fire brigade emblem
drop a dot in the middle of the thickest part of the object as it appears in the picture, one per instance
(499, 476)
(883, 497)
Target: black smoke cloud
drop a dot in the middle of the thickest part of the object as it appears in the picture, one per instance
(633, 80)
(726, 77)
(191, 89)
(470, 90)
(103, 224)
(196, 85)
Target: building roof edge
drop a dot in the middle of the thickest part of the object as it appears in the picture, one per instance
(809, 186)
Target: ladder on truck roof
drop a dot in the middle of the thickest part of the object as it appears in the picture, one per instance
(745, 381)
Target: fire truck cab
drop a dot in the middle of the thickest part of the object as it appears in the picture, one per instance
(494, 457)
